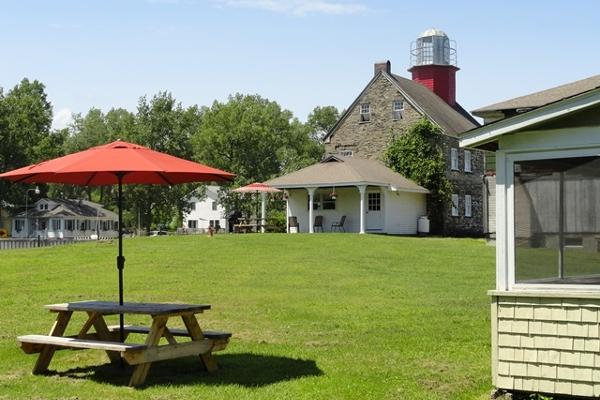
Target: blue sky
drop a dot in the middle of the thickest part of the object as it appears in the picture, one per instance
(300, 53)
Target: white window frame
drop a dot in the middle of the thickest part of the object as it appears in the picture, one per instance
(56, 224)
(468, 205)
(365, 112)
(397, 112)
(455, 201)
(468, 161)
(19, 224)
(346, 153)
(454, 159)
(507, 264)
(373, 201)
(214, 206)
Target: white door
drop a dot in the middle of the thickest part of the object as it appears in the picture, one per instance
(374, 217)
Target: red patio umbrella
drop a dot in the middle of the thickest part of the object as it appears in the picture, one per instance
(117, 163)
(257, 188)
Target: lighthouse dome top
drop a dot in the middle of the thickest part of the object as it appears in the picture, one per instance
(433, 32)
(433, 47)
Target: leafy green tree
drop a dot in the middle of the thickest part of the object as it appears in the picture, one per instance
(254, 138)
(321, 120)
(25, 133)
(417, 155)
(162, 124)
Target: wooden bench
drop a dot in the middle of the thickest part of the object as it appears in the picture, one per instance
(31, 344)
(214, 335)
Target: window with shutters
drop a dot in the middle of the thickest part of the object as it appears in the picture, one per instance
(468, 206)
(468, 167)
(454, 159)
(455, 205)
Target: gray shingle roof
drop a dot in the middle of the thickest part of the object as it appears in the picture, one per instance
(544, 97)
(346, 171)
(452, 120)
(70, 208)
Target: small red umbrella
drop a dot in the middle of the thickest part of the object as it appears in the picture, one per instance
(117, 163)
(257, 188)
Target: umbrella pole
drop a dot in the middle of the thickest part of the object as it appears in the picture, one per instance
(120, 258)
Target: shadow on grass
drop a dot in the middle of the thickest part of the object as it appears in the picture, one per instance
(244, 369)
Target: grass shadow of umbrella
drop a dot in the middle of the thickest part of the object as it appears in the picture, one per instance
(241, 369)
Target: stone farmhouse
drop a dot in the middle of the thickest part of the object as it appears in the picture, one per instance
(390, 104)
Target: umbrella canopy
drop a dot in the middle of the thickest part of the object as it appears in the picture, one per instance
(256, 188)
(117, 163)
(262, 188)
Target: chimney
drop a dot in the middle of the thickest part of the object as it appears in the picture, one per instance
(433, 63)
(385, 66)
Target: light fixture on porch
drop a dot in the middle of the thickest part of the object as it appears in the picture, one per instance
(333, 194)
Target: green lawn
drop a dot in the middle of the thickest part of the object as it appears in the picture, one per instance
(325, 316)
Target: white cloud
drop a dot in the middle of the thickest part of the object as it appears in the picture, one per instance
(62, 118)
(299, 7)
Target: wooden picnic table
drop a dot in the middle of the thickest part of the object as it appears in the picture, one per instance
(141, 356)
(249, 225)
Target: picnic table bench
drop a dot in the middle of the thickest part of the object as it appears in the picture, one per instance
(203, 343)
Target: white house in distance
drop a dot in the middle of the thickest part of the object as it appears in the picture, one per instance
(205, 212)
(370, 196)
(546, 305)
(65, 219)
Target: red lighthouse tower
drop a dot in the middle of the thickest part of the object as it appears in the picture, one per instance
(433, 64)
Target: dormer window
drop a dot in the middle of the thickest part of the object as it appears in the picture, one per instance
(365, 112)
(346, 153)
(398, 109)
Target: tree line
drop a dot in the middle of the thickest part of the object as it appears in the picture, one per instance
(248, 135)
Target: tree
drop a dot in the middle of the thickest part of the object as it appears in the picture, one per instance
(89, 130)
(254, 138)
(162, 124)
(321, 120)
(25, 133)
(417, 155)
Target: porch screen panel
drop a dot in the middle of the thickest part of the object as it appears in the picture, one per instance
(557, 221)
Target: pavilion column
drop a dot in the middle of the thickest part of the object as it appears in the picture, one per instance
(363, 191)
(263, 211)
(311, 197)
(286, 196)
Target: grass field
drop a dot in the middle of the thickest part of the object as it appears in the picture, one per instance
(326, 316)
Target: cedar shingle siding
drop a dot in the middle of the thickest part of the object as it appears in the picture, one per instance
(549, 345)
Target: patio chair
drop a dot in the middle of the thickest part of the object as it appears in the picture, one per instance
(318, 223)
(293, 223)
(339, 225)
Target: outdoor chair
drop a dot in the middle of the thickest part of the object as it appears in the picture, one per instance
(318, 223)
(293, 223)
(339, 225)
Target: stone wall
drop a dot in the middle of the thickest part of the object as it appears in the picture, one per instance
(370, 139)
(548, 344)
(465, 183)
